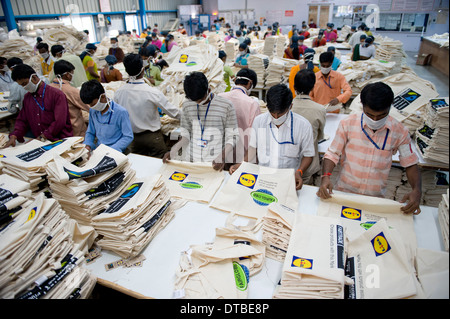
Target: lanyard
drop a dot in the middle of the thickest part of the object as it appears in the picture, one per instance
(110, 114)
(329, 82)
(241, 89)
(136, 82)
(292, 133)
(385, 139)
(202, 128)
(43, 95)
(1, 77)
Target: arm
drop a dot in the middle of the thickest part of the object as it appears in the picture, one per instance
(20, 127)
(60, 114)
(166, 106)
(231, 139)
(326, 187)
(304, 164)
(413, 198)
(347, 94)
(124, 125)
(91, 70)
(90, 134)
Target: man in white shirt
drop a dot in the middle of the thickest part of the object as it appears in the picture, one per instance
(5, 76)
(355, 39)
(247, 108)
(142, 102)
(281, 138)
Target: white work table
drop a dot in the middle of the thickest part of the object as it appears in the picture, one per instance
(195, 223)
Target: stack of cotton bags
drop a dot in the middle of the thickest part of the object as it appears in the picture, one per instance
(443, 219)
(42, 254)
(15, 195)
(84, 190)
(231, 49)
(276, 230)
(28, 161)
(259, 64)
(130, 222)
(314, 267)
(275, 72)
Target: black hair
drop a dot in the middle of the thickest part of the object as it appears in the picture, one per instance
(42, 45)
(222, 54)
(161, 64)
(377, 96)
(60, 67)
(90, 91)
(22, 71)
(244, 46)
(304, 81)
(114, 39)
(238, 32)
(247, 41)
(133, 64)
(279, 98)
(12, 62)
(247, 73)
(326, 57)
(148, 51)
(294, 47)
(195, 86)
(56, 49)
(3, 60)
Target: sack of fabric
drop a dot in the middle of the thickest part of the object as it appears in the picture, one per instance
(191, 181)
(379, 266)
(252, 188)
(358, 213)
(315, 262)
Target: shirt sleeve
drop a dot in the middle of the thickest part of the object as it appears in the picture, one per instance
(90, 132)
(231, 127)
(336, 148)
(308, 149)
(60, 111)
(21, 126)
(407, 157)
(344, 97)
(124, 124)
(166, 106)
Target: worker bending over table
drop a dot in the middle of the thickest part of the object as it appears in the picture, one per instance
(364, 145)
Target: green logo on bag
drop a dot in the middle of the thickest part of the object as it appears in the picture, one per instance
(191, 185)
(367, 225)
(263, 197)
(241, 276)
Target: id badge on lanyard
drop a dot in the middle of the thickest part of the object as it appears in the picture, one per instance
(202, 142)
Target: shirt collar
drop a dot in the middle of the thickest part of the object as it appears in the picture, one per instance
(303, 96)
(330, 75)
(388, 125)
(287, 122)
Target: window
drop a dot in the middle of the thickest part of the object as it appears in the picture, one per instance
(390, 22)
(414, 22)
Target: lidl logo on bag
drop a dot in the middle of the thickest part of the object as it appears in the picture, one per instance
(184, 58)
(351, 213)
(248, 180)
(241, 276)
(178, 177)
(32, 214)
(263, 197)
(191, 185)
(302, 263)
(380, 244)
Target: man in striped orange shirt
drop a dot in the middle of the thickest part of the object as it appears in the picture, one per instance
(364, 145)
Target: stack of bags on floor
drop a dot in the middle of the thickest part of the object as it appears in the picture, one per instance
(275, 72)
(42, 254)
(259, 63)
(274, 46)
(314, 267)
(28, 161)
(84, 190)
(390, 50)
(216, 40)
(222, 269)
(276, 231)
(289, 64)
(395, 180)
(432, 136)
(130, 222)
(70, 38)
(443, 218)
(434, 185)
(16, 46)
(231, 49)
(405, 188)
(15, 195)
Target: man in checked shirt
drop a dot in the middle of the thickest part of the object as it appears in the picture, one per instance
(364, 145)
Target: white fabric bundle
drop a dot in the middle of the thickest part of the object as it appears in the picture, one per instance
(15, 195)
(433, 134)
(358, 213)
(314, 267)
(231, 49)
(222, 269)
(443, 219)
(275, 72)
(434, 185)
(130, 222)
(432, 273)
(191, 181)
(252, 188)
(276, 230)
(40, 253)
(259, 64)
(379, 265)
(85, 190)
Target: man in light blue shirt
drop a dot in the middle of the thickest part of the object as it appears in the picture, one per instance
(108, 121)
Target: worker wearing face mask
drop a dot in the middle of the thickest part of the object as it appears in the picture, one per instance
(109, 122)
(45, 111)
(109, 73)
(247, 108)
(281, 138)
(330, 84)
(241, 59)
(330, 33)
(367, 50)
(142, 102)
(115, 50)
(64, 71)
(364, 145)
(79, 74)
(88, 62)
(5, 76)
(46, 60)
(152, 73)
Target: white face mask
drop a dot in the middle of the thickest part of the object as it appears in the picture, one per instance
(206, 98)
(100, 106)
(31, 87)
(374, 125)
(114, 46)
(4, 69)
(279, 121)
(145, 63)
(45, 55)
(325, 70)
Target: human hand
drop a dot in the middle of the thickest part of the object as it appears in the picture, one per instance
(298, 180)
(11, 142)
(413, 205)
(234, 168)
(334, 102)
(326, 188)
(166, 158)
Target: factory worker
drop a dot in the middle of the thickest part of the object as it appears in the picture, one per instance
(364, 145)
(308, 57)
(281, 138)
(331, 86)
(16, 91)
(156, 41)
(367, 50)
(356, 56)
(109, 73)
(64, 71)
(242, 57)
(79, 74)
(115, 50)
(46, 59)
(209, 130)
(356, 37)
(293, 50)
(109, 122)
(239, 36)
(89, 64)
(5, 76)
(142, 102)
(45, 112)
(228, 73)
(320, 40)
(304, 31)
(330, 34)
(336, 61)
(302, 47)
(151, 71)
